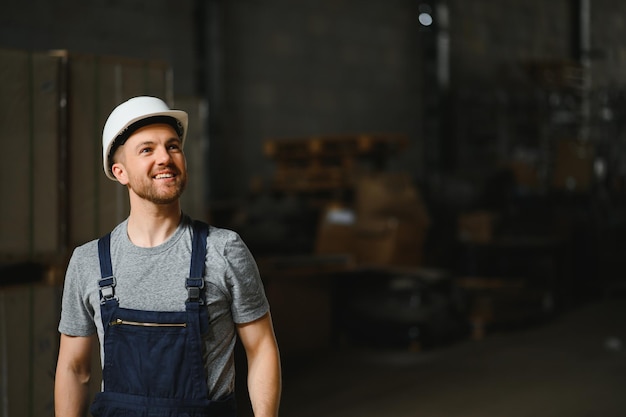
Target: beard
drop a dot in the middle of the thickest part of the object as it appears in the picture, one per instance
(146, 189)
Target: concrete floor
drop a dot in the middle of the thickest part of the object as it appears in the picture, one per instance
(571, 366)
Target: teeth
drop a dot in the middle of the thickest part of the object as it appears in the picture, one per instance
(160, 176)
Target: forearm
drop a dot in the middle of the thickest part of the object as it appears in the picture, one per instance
(264, 381)
(71, 394)
(73, 372)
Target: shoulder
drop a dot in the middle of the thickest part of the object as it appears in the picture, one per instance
(230, 248)
(223, 235)
(225, 247)
(223, 239)
(82, 273)
(85, 253)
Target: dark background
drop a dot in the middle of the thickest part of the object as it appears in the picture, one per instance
(515, 109)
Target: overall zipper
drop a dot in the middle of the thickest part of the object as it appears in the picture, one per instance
(136, 323)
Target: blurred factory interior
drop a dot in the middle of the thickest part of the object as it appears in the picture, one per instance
(434, 190)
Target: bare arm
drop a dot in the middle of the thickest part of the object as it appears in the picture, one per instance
(264, 374)
(71, 385)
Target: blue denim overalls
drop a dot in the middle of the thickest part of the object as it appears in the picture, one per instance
(153, 362)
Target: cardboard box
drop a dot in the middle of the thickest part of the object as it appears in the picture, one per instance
(335, 232)
(389, 241)
(372, 241)
(388, 225)
(387, 195)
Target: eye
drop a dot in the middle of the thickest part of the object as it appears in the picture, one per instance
(145, 149)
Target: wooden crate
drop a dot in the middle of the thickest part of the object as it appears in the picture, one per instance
(329, 162)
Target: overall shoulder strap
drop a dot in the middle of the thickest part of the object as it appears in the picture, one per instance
(104, 252)
(107, 280)
(195, 282)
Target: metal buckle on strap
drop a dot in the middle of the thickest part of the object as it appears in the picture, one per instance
(194, 290)
(107, 288)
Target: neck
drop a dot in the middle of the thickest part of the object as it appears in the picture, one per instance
(151, 225)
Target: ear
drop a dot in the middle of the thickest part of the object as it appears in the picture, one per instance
(119, 171)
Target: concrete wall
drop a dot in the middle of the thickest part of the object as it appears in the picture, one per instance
(278, 69)
(323, 67)
(156, 29)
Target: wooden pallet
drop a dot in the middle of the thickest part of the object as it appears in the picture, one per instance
(328, 162)
(333, 146)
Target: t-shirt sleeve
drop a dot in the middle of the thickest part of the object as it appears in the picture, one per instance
(249, 301)
(76, 311)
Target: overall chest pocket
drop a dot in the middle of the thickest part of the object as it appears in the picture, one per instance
(150, 354)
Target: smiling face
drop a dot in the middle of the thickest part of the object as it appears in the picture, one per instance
(152, 164)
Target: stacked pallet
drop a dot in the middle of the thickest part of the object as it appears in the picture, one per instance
(329, 162)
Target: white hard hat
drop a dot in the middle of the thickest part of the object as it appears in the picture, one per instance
(132, 115)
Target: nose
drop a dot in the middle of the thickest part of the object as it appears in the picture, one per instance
(163, 157)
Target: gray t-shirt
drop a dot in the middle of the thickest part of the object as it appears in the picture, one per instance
(154, 279)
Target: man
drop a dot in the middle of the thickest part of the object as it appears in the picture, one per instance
(166, 296)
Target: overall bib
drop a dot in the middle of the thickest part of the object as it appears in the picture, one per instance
(153, 364)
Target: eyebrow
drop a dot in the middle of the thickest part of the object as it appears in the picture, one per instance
(152, 142)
